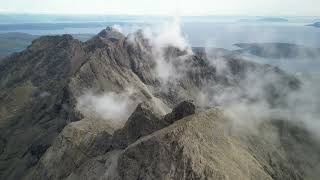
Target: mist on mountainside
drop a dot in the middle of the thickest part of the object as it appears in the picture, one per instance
(248, 103)
(214, 97)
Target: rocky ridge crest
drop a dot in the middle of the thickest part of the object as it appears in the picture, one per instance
(44, 135)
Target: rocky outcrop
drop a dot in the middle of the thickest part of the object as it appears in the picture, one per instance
(143, 122)
(84, 142)
(198, 146)
(39, 88)
(184, 109)
(203, 146)
(75, 145)
(35, 101)
(44, 136)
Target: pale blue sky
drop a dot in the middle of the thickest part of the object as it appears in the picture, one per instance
(165, 7)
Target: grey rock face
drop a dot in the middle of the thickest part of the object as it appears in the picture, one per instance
(182, 110)
(44, 136)
(192, 148)
(142, 122)
(88, 142)
(199, 146)
(35, 101)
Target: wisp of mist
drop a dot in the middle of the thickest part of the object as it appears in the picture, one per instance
(301, 105)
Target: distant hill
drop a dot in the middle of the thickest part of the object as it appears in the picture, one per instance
(316, 24)
(273, 20)
(278, 50)
(268, 19)
(15, 41)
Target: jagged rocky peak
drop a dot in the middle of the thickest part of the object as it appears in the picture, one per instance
(138, 35)
(86, 139)
(106, 38)
(56, 140)
(144, 121)
(47, 58)
(185, 108)
(112, 34)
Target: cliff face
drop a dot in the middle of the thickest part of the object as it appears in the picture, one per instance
(44, 134)
(201, 145)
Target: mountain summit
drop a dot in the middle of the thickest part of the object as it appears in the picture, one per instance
(101, 110)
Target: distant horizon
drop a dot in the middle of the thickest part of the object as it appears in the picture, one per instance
(155, 15)
(164, 7)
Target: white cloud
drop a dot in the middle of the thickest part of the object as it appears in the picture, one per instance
(112, 107)
(118, 28)
(161, 37)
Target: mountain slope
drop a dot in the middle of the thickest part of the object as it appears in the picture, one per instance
(199, 146)
(16, 42)
(42, 86)
(36, 103)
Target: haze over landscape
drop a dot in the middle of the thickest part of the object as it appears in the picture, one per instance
(107, 89)
(165, 7)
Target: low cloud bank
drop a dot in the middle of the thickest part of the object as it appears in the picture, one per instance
(110, 106)
(263, 95)
(161, 39)
(258, 95)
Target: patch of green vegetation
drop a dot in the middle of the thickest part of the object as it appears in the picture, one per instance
(13, 99)
(23, 92)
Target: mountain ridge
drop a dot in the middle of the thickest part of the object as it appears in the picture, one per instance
(45, 120)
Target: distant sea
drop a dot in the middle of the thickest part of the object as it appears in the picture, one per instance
(214, 31)
(210, 31)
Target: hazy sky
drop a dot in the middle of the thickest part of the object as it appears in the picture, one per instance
(165, 7)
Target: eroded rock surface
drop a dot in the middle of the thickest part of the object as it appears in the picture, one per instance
(198, 146)
(44, 136)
